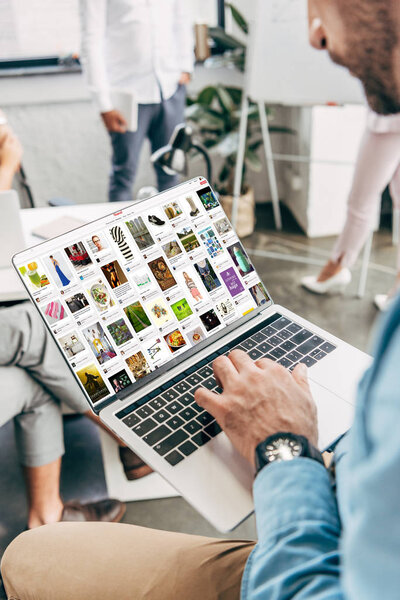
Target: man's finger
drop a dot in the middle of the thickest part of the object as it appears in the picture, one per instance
(265, 363)
(224, 370)
(300, 374)
(240, 359)
(210, 401)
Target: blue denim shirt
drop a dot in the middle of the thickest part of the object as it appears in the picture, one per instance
(323, 542)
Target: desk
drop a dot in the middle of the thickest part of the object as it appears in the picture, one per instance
(11, 288)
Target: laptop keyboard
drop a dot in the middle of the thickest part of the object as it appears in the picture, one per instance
(169, 420)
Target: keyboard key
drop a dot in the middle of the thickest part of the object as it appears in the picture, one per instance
(288, 346)
(156, 435)
(210, 383)
(144, 427)
(157, 403)
(285, 362)
(277, 352)
(327, 347)
(269, 330)
(188, 414)
(170, 394)
(175, 422)
(281, 323)
(315, 352)
(271, 356)
(213, 429)
(174, 458)
(144, 411)
(255, 354)
(284, 334)
(294, 328)
(301, 337)
(264, 347)
(174, 407)
(248, 344)
(201, 438)
(192, 427)
(308, 361)
(187, 448)
(197, 408)
(193, 390)
(309, 345)
(161, 416)
(274, 340)
(205, 418)
(131, 420)
(258, 337)
(193, 379)
(186, 399)
(206, 372)
(294, 356)
(171, 442)
(182, 387)
(319, 355)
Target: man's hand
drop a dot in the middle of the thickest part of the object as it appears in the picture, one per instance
(259, 399)
(114, 121)
(184, 78)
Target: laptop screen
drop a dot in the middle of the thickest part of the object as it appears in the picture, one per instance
(126, 294)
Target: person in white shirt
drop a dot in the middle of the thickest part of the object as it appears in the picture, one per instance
(143, 48)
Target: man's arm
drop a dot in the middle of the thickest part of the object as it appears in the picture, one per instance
(93, 28)
(10, 157)
(298, 525)
(185, 40)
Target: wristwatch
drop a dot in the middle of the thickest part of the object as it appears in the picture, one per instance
(284, 446)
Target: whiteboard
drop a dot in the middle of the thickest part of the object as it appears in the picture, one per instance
(35, 28)
(282, 67)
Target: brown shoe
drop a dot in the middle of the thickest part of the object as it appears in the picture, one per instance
(134, 467)
(108, 510)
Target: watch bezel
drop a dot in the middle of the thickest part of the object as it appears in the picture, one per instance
(307, 450)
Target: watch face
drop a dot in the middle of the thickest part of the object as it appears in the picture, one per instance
(282, 449)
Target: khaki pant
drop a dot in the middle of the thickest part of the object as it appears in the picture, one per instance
(107, 561)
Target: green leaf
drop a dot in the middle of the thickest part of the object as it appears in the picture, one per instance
(252, 161)
(238, 18)
(207, 95)
(225, 99)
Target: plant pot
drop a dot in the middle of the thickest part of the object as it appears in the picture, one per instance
(246, 212)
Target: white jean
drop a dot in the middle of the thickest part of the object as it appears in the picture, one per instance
(378, 164)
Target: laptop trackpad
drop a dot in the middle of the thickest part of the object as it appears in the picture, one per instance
(335, 415)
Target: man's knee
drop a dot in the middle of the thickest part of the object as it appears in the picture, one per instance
(17, 563)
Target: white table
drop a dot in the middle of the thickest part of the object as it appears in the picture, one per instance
(11, 289)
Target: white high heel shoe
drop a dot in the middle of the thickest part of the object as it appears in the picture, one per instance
(382, 301)
(333, 285)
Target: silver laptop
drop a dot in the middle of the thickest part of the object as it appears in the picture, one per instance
(142, 301)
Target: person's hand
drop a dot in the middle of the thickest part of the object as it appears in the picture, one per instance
(10, 150)
(259, 399)
(114, 121)
(184, 78)
(329, 270)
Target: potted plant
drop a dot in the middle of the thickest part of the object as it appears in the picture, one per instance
(215, 116)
